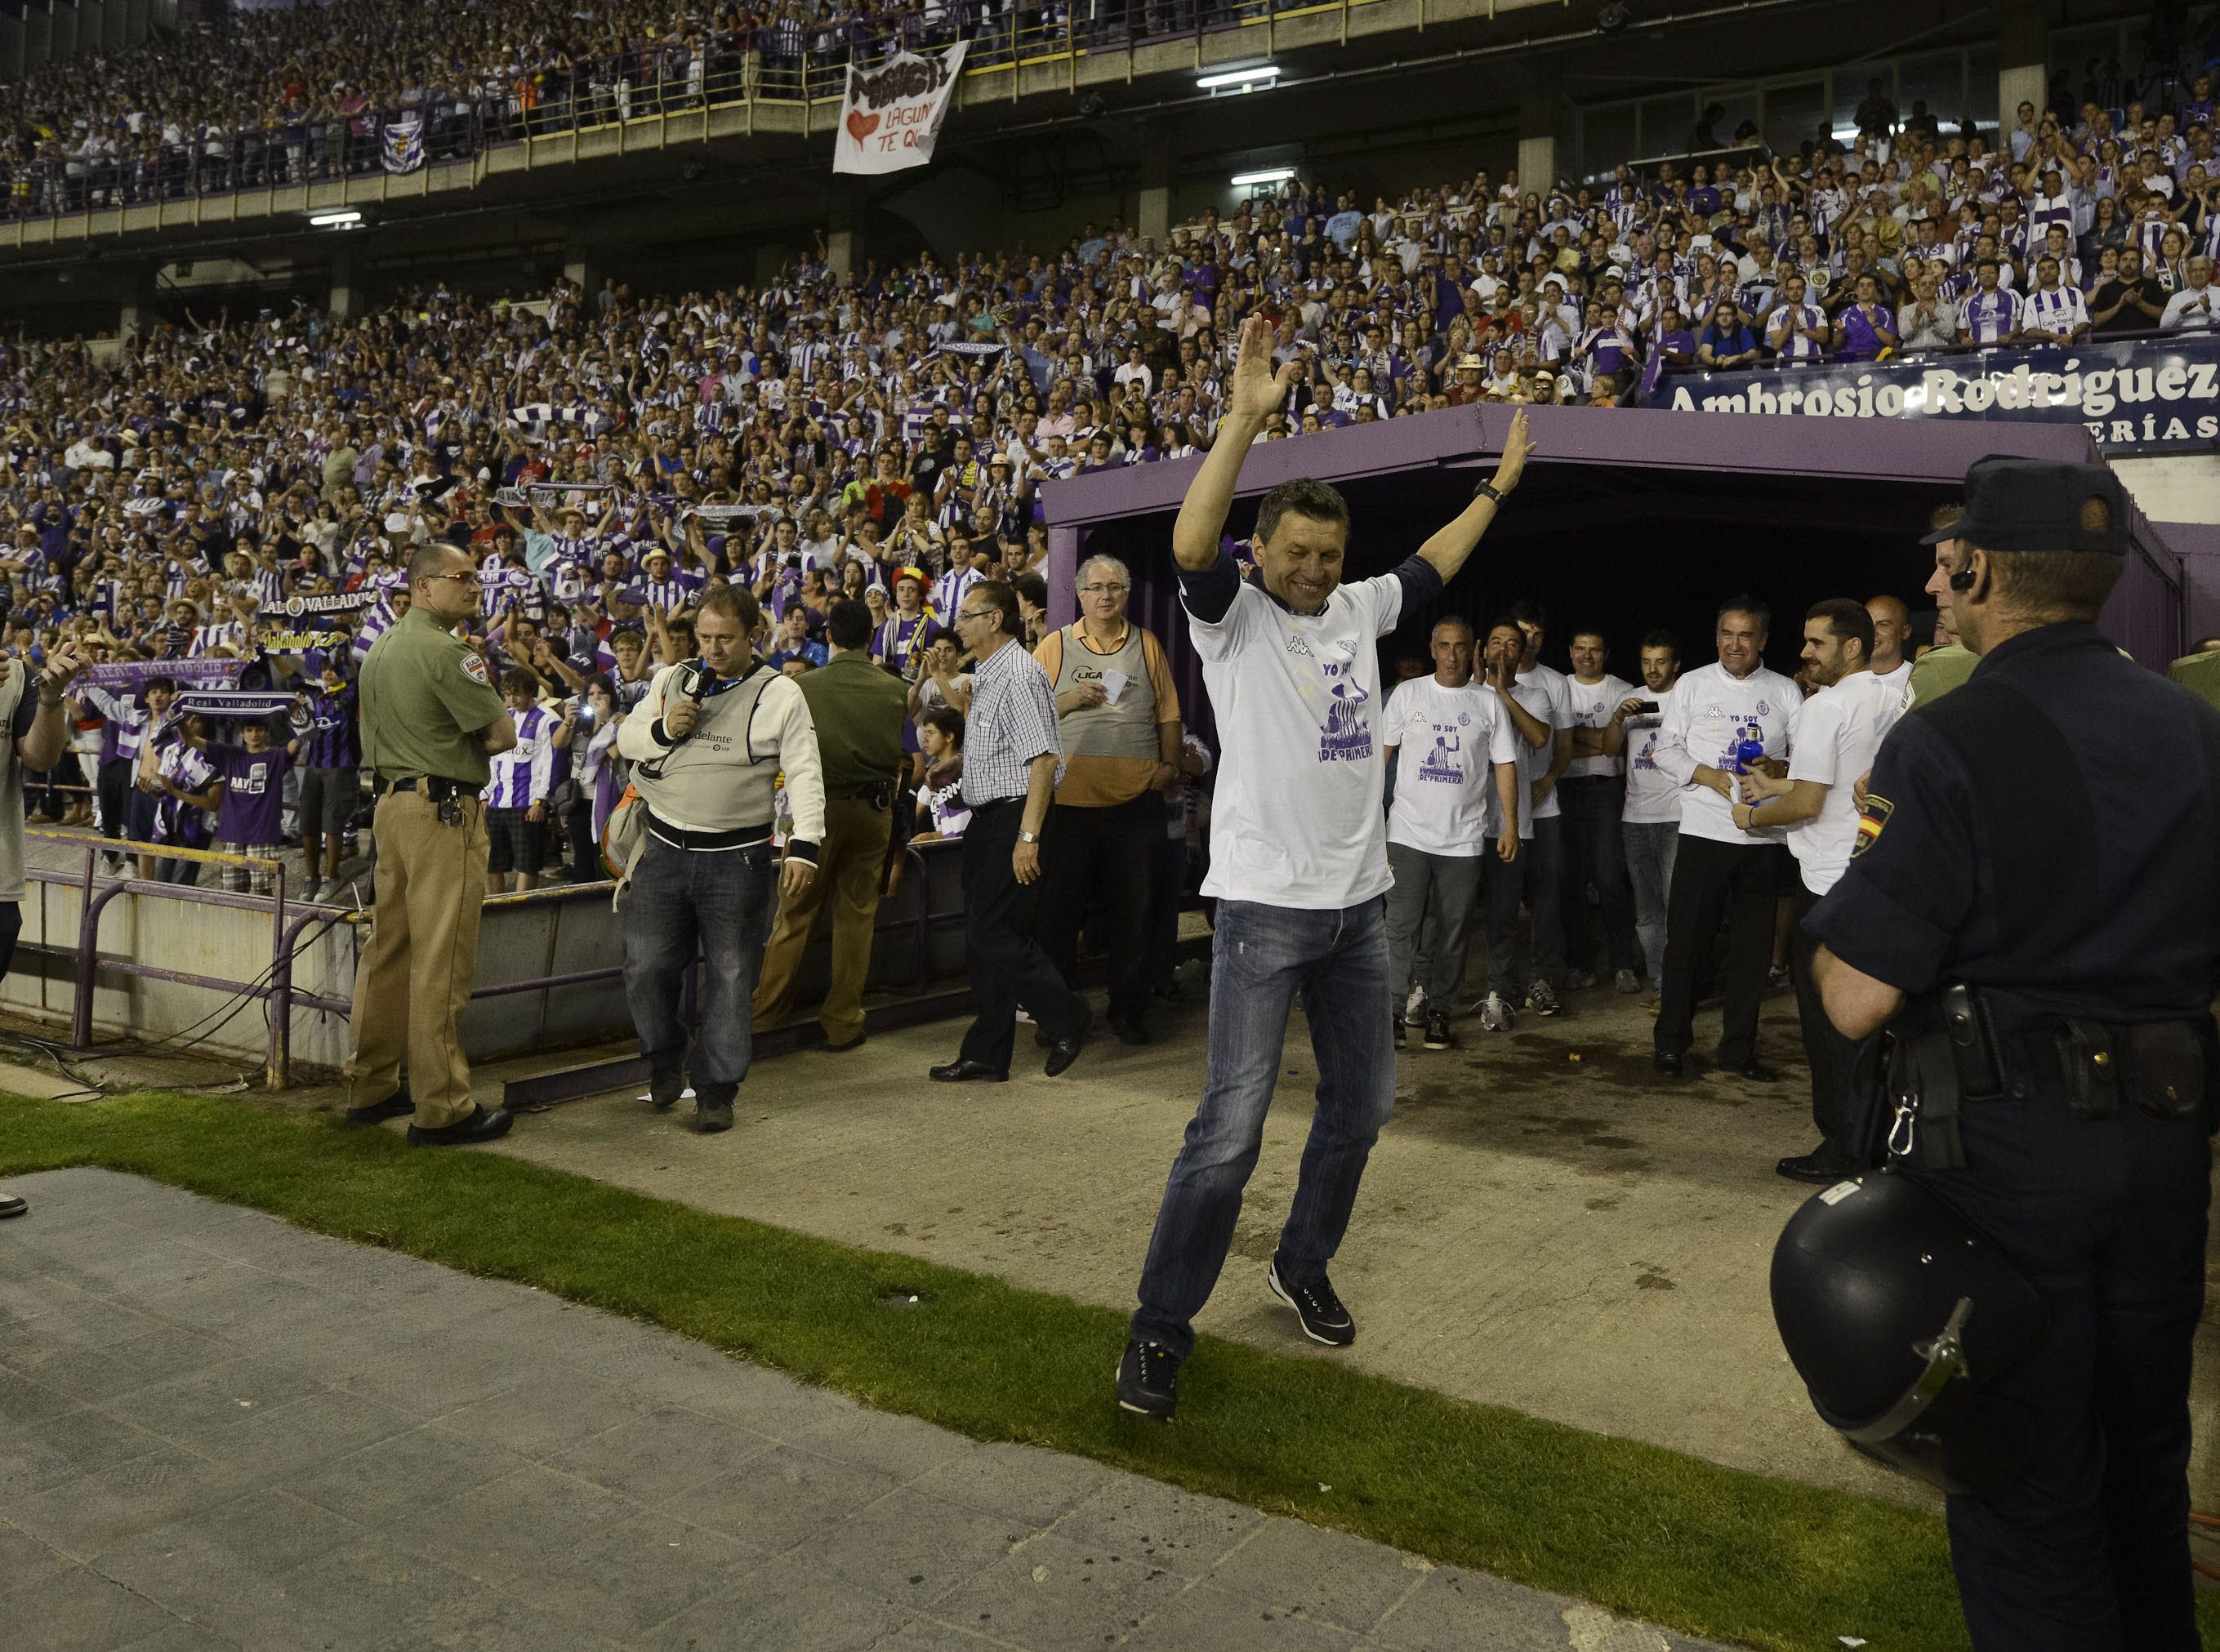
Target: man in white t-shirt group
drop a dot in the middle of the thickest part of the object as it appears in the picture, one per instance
(1723, 721)
(1457, 804)
(1594, 796)
(1545, 691)
(1298, 862)
(1525, 703)
(1891, 659)
(1837, 733)
(1650, 824)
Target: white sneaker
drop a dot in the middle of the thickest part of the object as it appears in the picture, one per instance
(1414, 1005)
(1628, 981)
(1542, 999)
(1495, 1013)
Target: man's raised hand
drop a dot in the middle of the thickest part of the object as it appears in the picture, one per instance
(1258, 390)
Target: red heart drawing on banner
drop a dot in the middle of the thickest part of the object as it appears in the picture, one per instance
(861, 126)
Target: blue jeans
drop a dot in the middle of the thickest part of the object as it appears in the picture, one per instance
(1260, 956)
(721, 900)
(1650, 846)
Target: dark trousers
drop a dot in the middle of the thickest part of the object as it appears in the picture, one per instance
(1843, 1070)
(1595, 852)
(116, 789)
(2086, 1550)
(1115, 850)
(1008, 968)
(1713, 881)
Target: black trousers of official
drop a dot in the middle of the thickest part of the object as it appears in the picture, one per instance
(2087, 1550)
(1116, 850)
(1845, 1072)
(1713, 881)
(1009, 968)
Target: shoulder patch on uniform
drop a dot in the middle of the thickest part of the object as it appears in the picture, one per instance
(474, 667)
(1871, 819)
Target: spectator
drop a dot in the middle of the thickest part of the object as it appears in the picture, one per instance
(2055, 313)
(252, 779)
(523, 778)
(2193, 308)
(2130, 302)
(1927, 320)
(1861, 327)
(941, 811)
(1727, 341)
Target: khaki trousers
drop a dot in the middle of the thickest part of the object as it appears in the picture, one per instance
(850, 862)
(415, 975)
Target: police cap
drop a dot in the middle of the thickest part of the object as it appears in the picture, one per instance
(2024, 504)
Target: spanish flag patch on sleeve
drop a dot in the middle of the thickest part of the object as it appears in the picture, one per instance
(1871, 819)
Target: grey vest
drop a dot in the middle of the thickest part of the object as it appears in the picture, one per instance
(1125, 728)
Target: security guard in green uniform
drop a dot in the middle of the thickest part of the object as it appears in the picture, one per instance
(2200, 673)
(431, 717)
(858, 708)
(2034, 910)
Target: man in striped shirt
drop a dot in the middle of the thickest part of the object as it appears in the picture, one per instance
(331, 758)
(1798, 331)
(2054, 313)
(1991, 315)
(516, 801)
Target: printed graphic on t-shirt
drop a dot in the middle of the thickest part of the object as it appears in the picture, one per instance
(1347, 736)
(1440, 763)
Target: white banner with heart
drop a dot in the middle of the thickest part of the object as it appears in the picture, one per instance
(892, 113)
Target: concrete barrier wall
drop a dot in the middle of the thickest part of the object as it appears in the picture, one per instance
(554, 933)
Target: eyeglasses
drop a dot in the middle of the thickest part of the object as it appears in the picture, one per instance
(1100, 590)
(975, 614)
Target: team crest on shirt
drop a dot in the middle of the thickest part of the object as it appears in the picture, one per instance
(474, 667)
(1871, 819)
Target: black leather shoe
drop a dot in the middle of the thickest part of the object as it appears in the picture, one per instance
(1823, 1165)
(856, 1043)
(1065, 1050)
(1131, 1029)
(13, 1204)
(1669, 1065)
(666, 1081)
(1755, 1071)
(963, 1071)
(397, 1106)
(485, 1124)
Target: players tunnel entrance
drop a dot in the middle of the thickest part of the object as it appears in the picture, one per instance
(1626, 520)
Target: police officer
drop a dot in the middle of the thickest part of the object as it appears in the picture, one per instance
(858, 708)
(2034, 909)
(431, 717)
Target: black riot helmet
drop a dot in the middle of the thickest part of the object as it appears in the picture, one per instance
(1900, 1315)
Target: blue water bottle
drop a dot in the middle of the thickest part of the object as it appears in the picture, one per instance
(1748, 750)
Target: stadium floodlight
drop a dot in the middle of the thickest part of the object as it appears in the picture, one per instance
(1270, 175)
(342, 218)
(1247, 80)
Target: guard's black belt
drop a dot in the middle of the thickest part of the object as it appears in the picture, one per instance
(680, 838)
(438, 787)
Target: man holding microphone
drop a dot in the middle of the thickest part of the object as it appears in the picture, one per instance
(1299, 862)
(707, 743)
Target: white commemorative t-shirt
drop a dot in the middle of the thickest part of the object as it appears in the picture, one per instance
(1899, 682)
(1553, 706)
(1836, 736)
(1449, 741)
(1295, 821)
(1534, 762)
(1592, 704)
(1653, 797)
(1710, 713)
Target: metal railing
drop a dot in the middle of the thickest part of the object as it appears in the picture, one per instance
(274, 987)
(665, 86)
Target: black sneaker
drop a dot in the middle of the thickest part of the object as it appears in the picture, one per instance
(1148, 1380)
(1325, 1320)
(713, 1114)
(1438, 1036)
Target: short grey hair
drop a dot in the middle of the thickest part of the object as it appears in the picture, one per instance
(1105, 560)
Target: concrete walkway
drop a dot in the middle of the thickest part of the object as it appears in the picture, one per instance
(218, 1431)
(1543, 1225)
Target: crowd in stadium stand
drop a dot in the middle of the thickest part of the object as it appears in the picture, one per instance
(886, 435)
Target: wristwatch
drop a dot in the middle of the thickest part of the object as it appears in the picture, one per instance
(1029, 836)
(1490, 491)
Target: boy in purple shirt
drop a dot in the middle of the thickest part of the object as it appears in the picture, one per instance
(253, 779)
